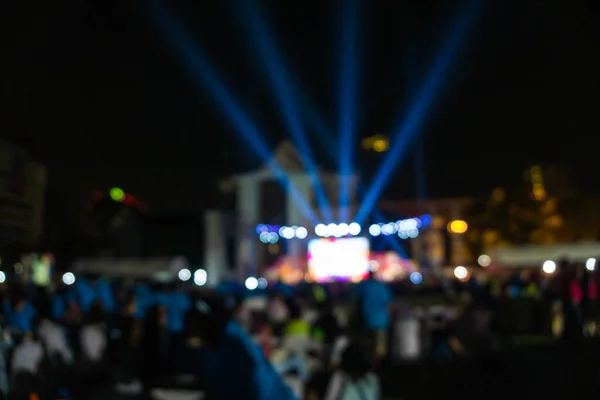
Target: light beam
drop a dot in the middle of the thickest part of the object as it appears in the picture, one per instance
(410, 126)
(283, 91)
(203, 74)
(347, 98)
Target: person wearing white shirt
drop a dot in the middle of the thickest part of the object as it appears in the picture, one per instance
(55, 341)
(353, 380)
(27, 357)
(93, 342)
(92, 336)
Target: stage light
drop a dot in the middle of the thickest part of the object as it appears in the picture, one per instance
(331, 229)
(416, 278)
(184, 275)
(460, 272)
(117, 194)
(68, 278)
(354, 229)
(484, 260)
(287, 232)
(264, 237)
(381, 145)
(549, 267)
(388, 229)
(590, 264)
(200, 277)
(458, 226)
(343, 229)
(375, 230)
(261, 228)
(321, 230)
(301, 232)
(272, 237)
(2, 277)
(262, 283)
(412, 233)
(251, 283)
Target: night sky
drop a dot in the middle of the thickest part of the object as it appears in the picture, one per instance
(105, 103)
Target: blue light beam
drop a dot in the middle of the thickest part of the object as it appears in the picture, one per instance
(204, 75)
(347, 96)
(326, 135)
(409, 127)
(282, 87)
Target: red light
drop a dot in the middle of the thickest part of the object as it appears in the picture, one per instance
(129, 200)
(97, 195)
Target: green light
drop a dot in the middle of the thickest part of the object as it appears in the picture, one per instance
(117, 194)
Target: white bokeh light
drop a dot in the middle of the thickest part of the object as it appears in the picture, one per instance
(321, 230)
(68, 278)
(549, 266)
(460, 272)
(184, 274)
(251, 283)
(375, 230)
(388, 229)
(590, 264)
(2, 277)
(200, 277)
(354, 228)
(262, 283)
(301, 232)
(287, 232)
(484, 260)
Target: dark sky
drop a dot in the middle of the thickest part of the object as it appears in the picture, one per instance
(105, 102)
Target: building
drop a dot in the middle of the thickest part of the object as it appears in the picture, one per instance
(22, 194)
(232, 239)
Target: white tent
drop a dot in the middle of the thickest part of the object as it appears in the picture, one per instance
(529, 256)
(151, 268)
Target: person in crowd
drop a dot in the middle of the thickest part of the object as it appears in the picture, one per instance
(144, 297)
(326, 326)
(174, 304)
(297, 343)
(60, 304)
(282, 288)
(374, 299)
(154, 345)
(278, 313)
(93, 336)
(340, 344)
(58, 354)
(25, 368)
(353, 379)
(590, 304)
(55, 342)
(19, 313)
(319, 294)
(91, 290)
(91, 374)
(231, 364)
(572, 296)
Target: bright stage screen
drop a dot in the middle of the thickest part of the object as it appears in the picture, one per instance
(338, 259)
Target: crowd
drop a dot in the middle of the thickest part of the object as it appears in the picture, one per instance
(76, 341)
